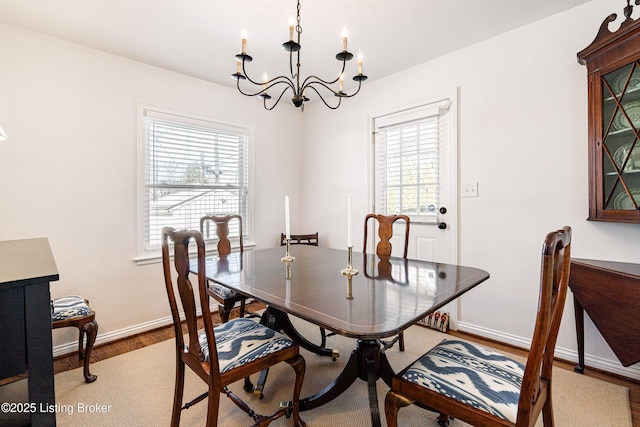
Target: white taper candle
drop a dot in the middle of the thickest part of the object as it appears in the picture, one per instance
(287, 224)
(349, 241)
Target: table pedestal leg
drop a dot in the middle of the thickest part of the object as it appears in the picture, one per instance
(368, 363)
(279, 321)
(374, 409)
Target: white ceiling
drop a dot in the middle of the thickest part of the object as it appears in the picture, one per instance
(199, 38)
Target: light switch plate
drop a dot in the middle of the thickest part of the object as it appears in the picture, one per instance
(470, 189)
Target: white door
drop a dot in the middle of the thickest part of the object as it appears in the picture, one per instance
(414, 172)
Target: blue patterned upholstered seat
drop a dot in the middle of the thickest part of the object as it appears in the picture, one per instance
(242, 340)
(471, 374)
(68, 307)
(222, 291)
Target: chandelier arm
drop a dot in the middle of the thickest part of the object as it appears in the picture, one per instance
(322, 98)
(270, 84)
(295, 75)
(344, 95)
(324, 85)
(306, 81)
(266, 89)
(276, 101)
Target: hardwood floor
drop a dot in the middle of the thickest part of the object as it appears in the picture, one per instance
(135, 342)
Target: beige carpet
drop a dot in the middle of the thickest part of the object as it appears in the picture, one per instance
(136, 389)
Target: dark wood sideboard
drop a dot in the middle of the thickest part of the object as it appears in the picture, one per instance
(610, 294)
(26, 269)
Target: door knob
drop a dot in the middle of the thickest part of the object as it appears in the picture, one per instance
(442, 225)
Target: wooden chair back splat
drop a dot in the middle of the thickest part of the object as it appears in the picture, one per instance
(383, 250)
(225, 297)
(385, 233)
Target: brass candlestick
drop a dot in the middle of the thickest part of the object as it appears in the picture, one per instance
(287, 258)
(349, 271)
(349, 285)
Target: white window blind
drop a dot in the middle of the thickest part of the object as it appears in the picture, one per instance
(407, 162)
(192, 168)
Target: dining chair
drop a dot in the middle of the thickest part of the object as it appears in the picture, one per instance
(383, 249)
(223, 354)
(300, 239)
(225, 297)
(482, 387)
(74, 311)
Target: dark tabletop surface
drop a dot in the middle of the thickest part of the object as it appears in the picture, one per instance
(388, 294)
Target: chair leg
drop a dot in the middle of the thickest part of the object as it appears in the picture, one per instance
(90, 329)
(212, 406)
(443, 420)
(81, 343)
(547, 410)
(401, 341)
(299, 365)
(224, 311)
(242, 308)
(323, 337)
(178, 393)
(392, 404)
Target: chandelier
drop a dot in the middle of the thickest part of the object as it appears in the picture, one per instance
(300, 88)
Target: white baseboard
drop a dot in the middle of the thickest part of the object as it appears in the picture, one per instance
(608, 365)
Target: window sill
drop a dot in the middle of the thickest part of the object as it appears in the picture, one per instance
(156, 258)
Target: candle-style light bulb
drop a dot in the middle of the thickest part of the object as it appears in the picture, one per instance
(244, 36)
(239, 67)
(341, 82)
(265, 79)
(345, 34)
(291, 24)
(360, 63)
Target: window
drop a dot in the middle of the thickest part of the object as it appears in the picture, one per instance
(190, 168)
(407, 162)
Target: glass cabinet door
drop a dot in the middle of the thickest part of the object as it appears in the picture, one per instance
(613, 69)
(620, 149)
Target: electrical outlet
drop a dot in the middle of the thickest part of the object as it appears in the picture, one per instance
(470, 189)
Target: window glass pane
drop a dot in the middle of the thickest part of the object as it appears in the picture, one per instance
(407, 167)
(410, 170)
(410, 200)
(428, 198)
(393, 199)
(190, 171)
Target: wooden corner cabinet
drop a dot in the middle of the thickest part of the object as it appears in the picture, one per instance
(613, 67)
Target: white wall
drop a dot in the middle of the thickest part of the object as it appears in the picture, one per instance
(69, 166)
(522, 136)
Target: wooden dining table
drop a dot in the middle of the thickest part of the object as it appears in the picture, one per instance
(384, 298)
